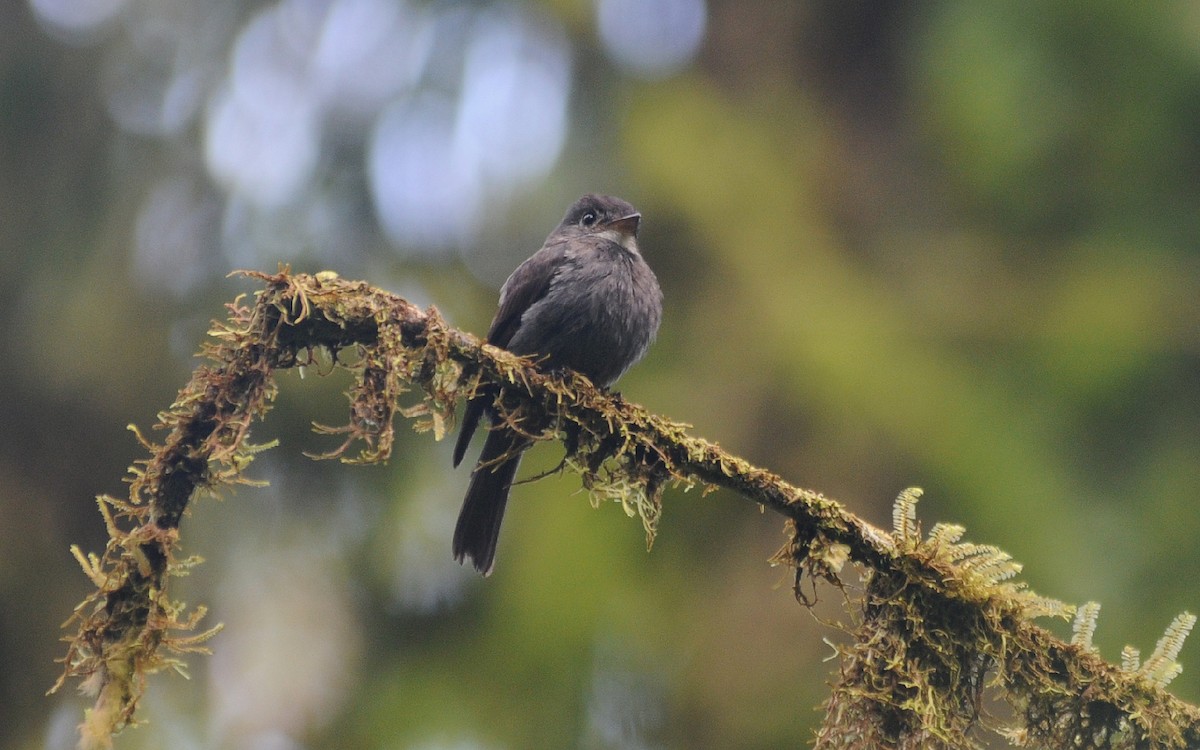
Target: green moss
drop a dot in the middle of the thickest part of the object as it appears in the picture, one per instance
(937, 614)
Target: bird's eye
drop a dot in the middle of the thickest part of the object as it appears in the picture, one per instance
(588, 219)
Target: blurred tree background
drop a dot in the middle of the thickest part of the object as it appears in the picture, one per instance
(902, 243)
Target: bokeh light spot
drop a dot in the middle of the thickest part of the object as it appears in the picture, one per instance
(75, 18)
(262, 139)
(651, 38)
(434, 161)
(369, 51)
(425, 196)
(516, 80)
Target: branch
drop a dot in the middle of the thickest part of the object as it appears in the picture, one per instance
(937, 615)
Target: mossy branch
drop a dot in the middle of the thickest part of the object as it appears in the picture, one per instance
(938, 614)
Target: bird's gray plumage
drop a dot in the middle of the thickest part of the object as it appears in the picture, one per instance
(586, 300)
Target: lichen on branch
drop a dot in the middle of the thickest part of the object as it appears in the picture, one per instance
(938, 614)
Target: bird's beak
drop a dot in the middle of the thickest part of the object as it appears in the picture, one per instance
(627, 225)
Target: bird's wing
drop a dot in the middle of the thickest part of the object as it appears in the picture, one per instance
(525, 286)
(470, 421)
(528, 284)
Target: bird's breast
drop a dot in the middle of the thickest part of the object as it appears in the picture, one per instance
(598, 317)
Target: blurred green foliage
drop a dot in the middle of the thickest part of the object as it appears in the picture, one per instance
(938, 244)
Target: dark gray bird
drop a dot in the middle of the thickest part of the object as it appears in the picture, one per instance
(587, 301)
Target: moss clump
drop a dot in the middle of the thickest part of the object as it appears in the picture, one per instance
(937, 614)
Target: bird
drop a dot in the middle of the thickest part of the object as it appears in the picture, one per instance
(586, 301)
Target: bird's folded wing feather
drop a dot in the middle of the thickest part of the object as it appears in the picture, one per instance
(527, 284)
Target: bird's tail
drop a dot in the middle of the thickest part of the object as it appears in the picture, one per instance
(478, 526)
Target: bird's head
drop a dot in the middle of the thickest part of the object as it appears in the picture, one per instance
(605, 216)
